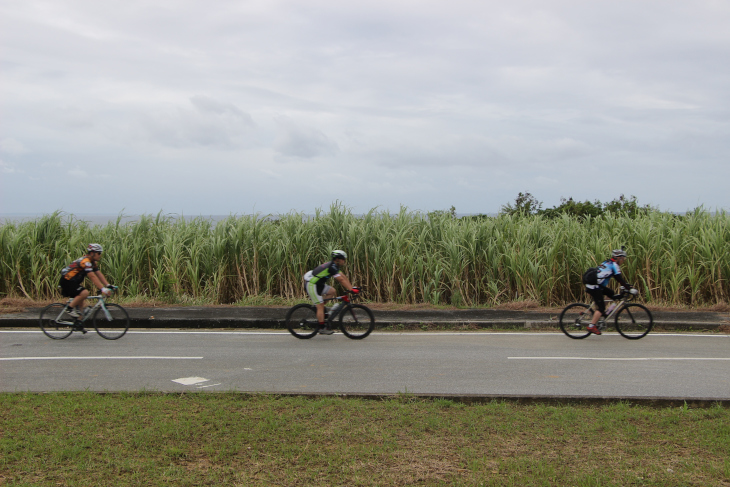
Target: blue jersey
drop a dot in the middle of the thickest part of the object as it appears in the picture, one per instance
(607, 270)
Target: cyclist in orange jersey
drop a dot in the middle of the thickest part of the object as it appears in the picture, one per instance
(73, 275)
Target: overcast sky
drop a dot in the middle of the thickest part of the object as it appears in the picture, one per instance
(235, 107)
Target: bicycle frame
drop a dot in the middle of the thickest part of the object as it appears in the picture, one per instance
(88, 312)
(620, 304)
(345, 300)
(631, 320)
(356, 321)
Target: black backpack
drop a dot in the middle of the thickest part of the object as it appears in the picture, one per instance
(591, 276)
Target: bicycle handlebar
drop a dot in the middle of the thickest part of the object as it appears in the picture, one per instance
(627, 294)
(112, 290)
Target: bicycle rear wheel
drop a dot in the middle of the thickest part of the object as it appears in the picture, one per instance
(301, 321)
(574, 320)
(634, 321)
(356, 321)
(53, 324)
(113, 323)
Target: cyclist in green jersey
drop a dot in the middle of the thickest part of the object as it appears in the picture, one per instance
(318, 289)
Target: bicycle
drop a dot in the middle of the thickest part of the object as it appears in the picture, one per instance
(631, 320)
(111, 321)
(355, 320)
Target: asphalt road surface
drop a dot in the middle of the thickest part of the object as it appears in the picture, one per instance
(534, 364)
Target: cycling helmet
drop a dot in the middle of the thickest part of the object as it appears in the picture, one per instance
(339, 254)
(618, 253)
(94, 248)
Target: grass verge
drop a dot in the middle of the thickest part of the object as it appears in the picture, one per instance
(232, 439)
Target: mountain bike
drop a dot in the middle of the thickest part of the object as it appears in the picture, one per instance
(355, 320)
(631, 320)
(110, 321)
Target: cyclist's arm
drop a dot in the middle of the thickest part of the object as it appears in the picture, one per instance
(621, 280)
(98, 279)
(344, 281)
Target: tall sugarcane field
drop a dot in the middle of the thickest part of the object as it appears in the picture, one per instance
(406, 257)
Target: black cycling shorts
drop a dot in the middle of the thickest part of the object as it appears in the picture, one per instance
(598, 297)
(70, 289)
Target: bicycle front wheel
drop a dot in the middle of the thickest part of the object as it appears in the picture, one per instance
(634, 321)
(301, 321)
(113, 323)
(574, 320)
(53, 323)
(356, 321)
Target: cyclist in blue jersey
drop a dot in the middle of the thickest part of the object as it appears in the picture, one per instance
(318, 289)
(598, 289)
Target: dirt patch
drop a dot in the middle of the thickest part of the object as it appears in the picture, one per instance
(721, 307)
(19, 305)
(155, 303)
(528, 305)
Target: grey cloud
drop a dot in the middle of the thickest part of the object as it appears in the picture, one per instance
(209, 105)
(496, 89)
(12, 146)
(296, 140)
(212, 124)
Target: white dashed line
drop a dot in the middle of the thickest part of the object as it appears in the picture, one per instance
(102, 358)
(619, 358)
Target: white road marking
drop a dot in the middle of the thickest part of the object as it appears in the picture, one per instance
(620, 358)
(190, 381)
(212, 385)
(102, 358)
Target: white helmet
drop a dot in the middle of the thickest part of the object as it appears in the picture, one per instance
(339, 254)
(618, 253)
(94, 248)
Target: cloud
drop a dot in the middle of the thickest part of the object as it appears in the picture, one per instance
(7, 168)
(77, 172)
(206, 104)
(295, 140)
(213, 124)
(12, 146)
(500, 94)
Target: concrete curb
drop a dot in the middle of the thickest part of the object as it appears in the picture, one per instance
(238, 323)
(654, 402)
(468, 319)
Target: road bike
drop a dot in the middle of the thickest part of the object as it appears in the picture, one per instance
(355, 320)
(631, 320)
(110, 320)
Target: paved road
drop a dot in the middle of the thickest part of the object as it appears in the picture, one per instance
(537, 364)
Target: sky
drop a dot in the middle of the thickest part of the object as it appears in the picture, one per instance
(277, 106)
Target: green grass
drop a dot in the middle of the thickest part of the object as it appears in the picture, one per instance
(81, 439)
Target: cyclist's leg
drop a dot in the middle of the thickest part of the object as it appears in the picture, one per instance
(314, 294)
(79, 301)
(328, 292)
(599, 305)
(75, 291)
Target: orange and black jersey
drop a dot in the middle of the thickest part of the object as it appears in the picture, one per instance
(77, 270)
